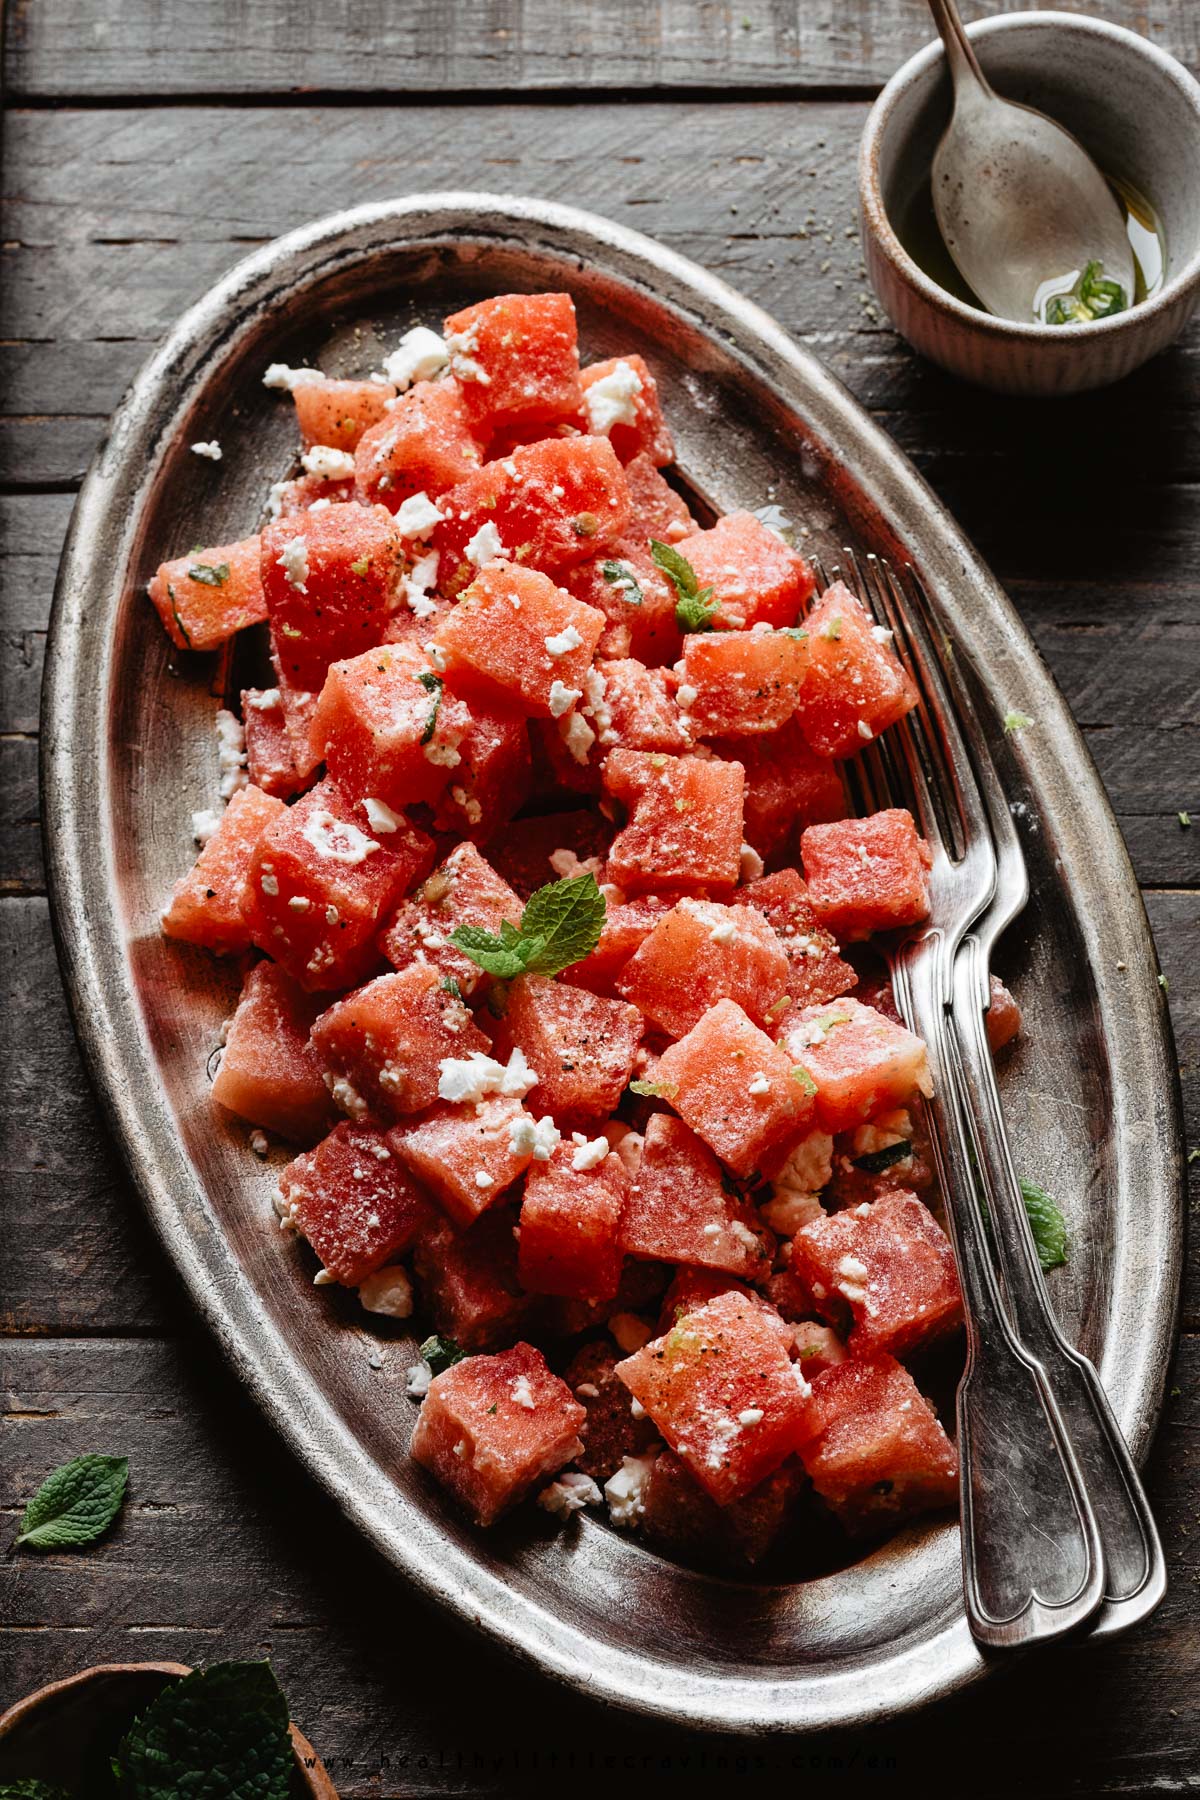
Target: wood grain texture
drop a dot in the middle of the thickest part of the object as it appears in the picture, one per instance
(120, 47)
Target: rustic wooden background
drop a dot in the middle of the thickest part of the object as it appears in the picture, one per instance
(148, 144)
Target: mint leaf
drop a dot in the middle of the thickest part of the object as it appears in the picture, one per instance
(361, 567)
(184, 633)
(433, 685)
(876, 1161)
(695, 606)
(561, 925)
(210, 574)
(31, 1790)
(1047, 1223)
(441, 1353)
(218, 1734)
(800, 1073)
(1017, 721)
(654, 1090)
(620, 575)
(75, 1503)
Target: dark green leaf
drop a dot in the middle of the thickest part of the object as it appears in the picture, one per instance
(210, 574)
(450, 986)
(490, 953)
(31, 1790)
(1047, 1224)
(441, 1353)
(184, 633)
(432, 684)
(217, 1734)
(876, 1161)
(676, 568)
(620, 575)
(695, 612)
(561, 925)
(75, 1503)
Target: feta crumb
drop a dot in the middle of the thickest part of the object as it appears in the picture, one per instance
(750, 864)
(804, 1385)
(416, 584)
(286, 1210)
(852, 1268)
(577, 735)
(774, 518)
(419, 1378)
(299, 903)
(346, 1096)
(231, 754)
(211, 450)
(443, 756)
(461, 344)
(686, 696)
(483, 1178)
(630, 1332)
(538, 1138)
(322, 1278)
(564, 640)
(759, 1084)
(612, 400)
(589, 1154)
(566, 864)
(790, 1210)
(518, 1076)
(864, 731)
(294, 563)
(587, 1390)
(469, 1079)
(485, 546)
(569, 1494)
(278, 375)
(562, 698)
(420, 355)
(259, 1143)
(337, 839)
(625, 1492)
(724, 931)
(327, 463)
(417, 516)
(205, 824)
(752, 1415)
(809, 1167)
(636, 1409)
(522, 1393)
(380, 817)
(270, 886)
(387, 1291)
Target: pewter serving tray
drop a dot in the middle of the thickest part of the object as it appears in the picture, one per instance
(129, 752)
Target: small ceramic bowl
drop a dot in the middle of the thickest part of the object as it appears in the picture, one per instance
(1133, 107)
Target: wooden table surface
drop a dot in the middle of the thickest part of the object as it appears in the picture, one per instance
(148, 145)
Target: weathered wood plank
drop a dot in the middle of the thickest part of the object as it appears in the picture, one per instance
(224, 1549)
(60, 48)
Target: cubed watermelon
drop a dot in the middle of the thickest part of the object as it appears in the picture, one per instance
(424, 444)
(684, 829)
(638, 710)
(207, 904)
(494, 1427)
(621, 403)
(890, 1266)
(737, 1089)
(331, 580)
(701, 952)
(721, 1388)
(681, 1519)
(658, 511)
(815, 970)
(523, 851)
(610, 1431)
(855, 687)
(322, 878)
(383, 1045)
(520, 638)
(388, 726)
(858, 1061)
(818, 1347)
(787, 784)
(493, 775)
(581, 1046)
(204, 598)
(570, 1238)
(468, 1280)
(873, 1447)
(269, 1073)
(516, 357)
(464, 1155)
(690, 1288)
(754, 575)
(337, 413)
(1003, 1015)
(867, 875)
(354, 1202)
(270, 760)
(683, 1209)
(626, 925)
(742, 683)
(299, 705)
(628, 587)
(302, 494)
(465, 890)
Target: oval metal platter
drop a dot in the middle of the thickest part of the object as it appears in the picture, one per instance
(129, 753)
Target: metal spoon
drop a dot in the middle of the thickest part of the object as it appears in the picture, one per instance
(1020, 203)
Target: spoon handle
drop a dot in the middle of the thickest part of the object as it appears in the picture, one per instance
(965, 71)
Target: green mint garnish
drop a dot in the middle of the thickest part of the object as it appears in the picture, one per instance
(1185, 819)
(778, 1007)
(210, 574)
(450, 986)
(695, 605)
(75, 1503)
(433, 685)
(441, 1353)
(361, 566)
(801, 1074)
(217, 1732)
(1193, 1155)
(1018, 721)
(1164, 984)
(876, 1161)
(832, 629)
(653, 1090)
(561, 925)
(1047, 1223)
(184, 633)
(620, 575)
(28, 1789)
(1094, 296)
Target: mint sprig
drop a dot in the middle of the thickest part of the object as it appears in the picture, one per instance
(1047, 1224)
(695, 606)
(433, 685)
(561, 925)
(620, 575)
(75, 1503)
(209, 574)
(441, 1353)
(876, 1161)
(218, 1734)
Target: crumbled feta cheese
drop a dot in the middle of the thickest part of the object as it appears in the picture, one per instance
(790, 1210)
(299, 903)
(485, 546)
(436, 655)
(278, 375)
(417, 517)
(750, 864)
(211, 450)
(577, 735)
(612, 400)
(416, 584)
(724, 931)
(346, 1097)
(853, 1268)
(322, 1278)
(636, 1409)
(275, 494)
(686, 696)
(587, 1390)
(752, 1415)
(745, 1237)
(562, 698)
(518, 1076)
(865, 732)
(563, 641)
(380, 817)
(270, 886)
(388, 1291)
(327, 463)
(336, 838)
(809, 1167)
(522, 1393)
(469, 1079)
(625, 1492)
(420, 355)
(759, 1084)
(294, 563)
(630, 1332)
(569, 1494)
(461, 345)
(259, 1143)
(267, 700)
(566, 864)
(443, 756)
(801, 1381)
(204, 825)
(483, 1178)
(881, 634)
(285, 1209)
(231, 754)
(419, 1378)
(588, 1152)
(538, 1138)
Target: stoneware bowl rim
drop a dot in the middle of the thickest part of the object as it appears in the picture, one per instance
(878, 222)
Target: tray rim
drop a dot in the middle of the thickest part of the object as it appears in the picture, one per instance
(107, 1015)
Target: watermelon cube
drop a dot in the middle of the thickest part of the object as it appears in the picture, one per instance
(658, 511)
(570, 1239)
(423, 444)
(493, 775)
(300, 496)
(1003, 1015)
(818, 1348)
(855, 687)
(494, 1427)
(620, 402)
(638, 708)
(742, 683)
(388, 727)
(581, 1046)
(269, 1073)
(204, 598)
(354, 1202)
(890, 1265)
(754, 575)
(787, 784)
(873, 1447)
(465, 890)
(468, 1280)
(548, 506)
(683, 1209)
(519, 637)
(628, 587)
(298, 705)
(867, 875)
(684, 829)
(337, 413)
(516, 358)
(464, 1155)
(815, 970)
(610, 1431)
(701, 952)
(627, 924)
(270, 761)
(736, 1089)
(721, 1388)
(859, 1062)
(206, 905)
(384, 1045)
(691, 1287)
(331, 581)
(531, 852)
(682, 1520)
(321, 878)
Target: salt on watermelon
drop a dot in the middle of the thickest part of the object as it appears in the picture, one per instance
(855, 686)
(423, 444)
(516, 359)
(581, 1046)
(742, 683)
(788, 786)
(207, 596)
(816, 971)
(269, 1073)
(207, 905)
(468, 1280)
(464, 890)
(270, 758)
(684, 825)
(336, 413)
(388, 727)
(331, 581)
(682, 1209)
(735, 1088)
(754, 576)
(493, 776)
(570, 1231)
(384, 1044)
(621, 403)
(520, 638)
(867, 875)
(354, 1202)
(703, 951)
(890, 1266)
(464, 1155)
(859, 1063)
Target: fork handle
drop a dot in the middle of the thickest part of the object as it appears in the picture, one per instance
(1033, 1567)
(1133, 1554)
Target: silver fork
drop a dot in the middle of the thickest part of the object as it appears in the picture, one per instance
(1033, 1566)
(1136, 1567)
